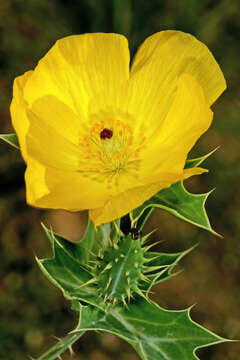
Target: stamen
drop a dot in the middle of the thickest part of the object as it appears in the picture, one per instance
(110, 148)
(106, 134)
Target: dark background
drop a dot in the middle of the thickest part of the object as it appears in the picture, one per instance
(31, 309)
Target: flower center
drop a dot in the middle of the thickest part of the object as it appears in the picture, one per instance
(109, 148)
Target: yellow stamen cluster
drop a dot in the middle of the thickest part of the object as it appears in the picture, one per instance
(111, 155)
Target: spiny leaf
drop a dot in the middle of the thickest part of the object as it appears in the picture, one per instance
(11, 139)
(179, 202)
(162, 259)
(84, 250)
(155, 333)
(191, 163)
(61, 346)
(68, 271)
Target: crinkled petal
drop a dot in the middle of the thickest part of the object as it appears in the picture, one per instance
(123, 203)
(48, 187)
(55, 113)
(188, 118)
(150, 91)
(164, 56)
(50, 148)
(78, 67)
(36, 187)
(18, 111)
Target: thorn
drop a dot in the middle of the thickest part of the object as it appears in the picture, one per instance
(184, 253)
(122, 255)
(157, 276)
(147, 236)
(52, 233)
(105, 298)
(176, 273)
(92, 253)
(127, 273)
(124, 302)
(93, 280)
(71, 350)
(146, 248)
(136, 265)
(140, 292)
(90, 269)
(107, 267)
(116, 260)
(128, 293)
(128, 280)
(119, 231)
(147, 260)
(115, 301)
(111, 244)
(59, 357)
(44, 227)
(108, 283)
(115, 246)
(93, 261)
(56, 338)
(148, 269)
(144, 278)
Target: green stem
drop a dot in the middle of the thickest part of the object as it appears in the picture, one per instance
(61, 346)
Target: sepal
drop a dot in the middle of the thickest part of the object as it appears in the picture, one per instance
(11, 139)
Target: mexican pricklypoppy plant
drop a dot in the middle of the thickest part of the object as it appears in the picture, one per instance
(100, 135)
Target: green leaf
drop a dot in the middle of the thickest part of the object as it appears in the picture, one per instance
(10, 139)
(67, 268)
(178, 202)
(191, 163)
(163, 259)
(155, 333)
(84, 250)
(61, 346)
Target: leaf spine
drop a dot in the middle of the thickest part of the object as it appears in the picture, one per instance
(93, 280)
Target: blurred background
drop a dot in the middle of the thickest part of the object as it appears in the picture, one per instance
(32, 311)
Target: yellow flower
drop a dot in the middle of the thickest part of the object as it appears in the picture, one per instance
(96, 135)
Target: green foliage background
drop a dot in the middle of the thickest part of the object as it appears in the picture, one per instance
(31, 309)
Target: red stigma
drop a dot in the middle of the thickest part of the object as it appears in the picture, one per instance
(106, 134)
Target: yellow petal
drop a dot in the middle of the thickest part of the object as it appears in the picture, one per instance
(125, 202)
(18, 110)
(49, 147)
(59, 116)
(56, 189)
(188, 118)
(164, 56)
(36, 187)
(148, 95)
(78, 67)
